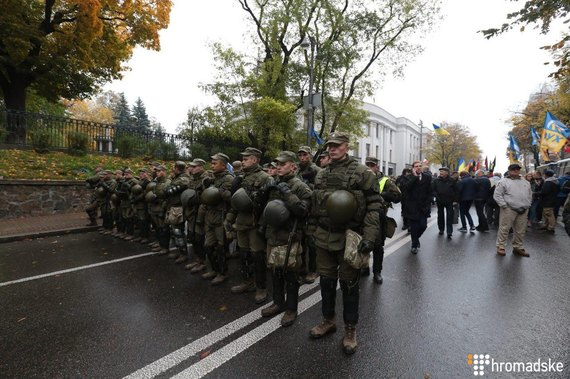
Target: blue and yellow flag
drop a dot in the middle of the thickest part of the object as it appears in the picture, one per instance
(554, 135)
(535, 138)
(514, 146)
(315, 135)
(461, 165)
(439, 130)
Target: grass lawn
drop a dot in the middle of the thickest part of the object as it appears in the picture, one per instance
(27, 164)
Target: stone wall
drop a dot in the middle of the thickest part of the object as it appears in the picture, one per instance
(24, 198)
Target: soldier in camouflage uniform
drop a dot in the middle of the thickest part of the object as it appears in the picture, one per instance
(216, 199)
(390, 194)
(125, 205)
(324, 159)
(157, 209)
(194, 214)
(179, 182)
(307, 172)
(142, 217)
(244, 217)
(94, 203)
(343, 178)
(296, 197)
(105, 189)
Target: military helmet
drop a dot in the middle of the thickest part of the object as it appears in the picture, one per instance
(341, 206)
(136, 189)
(100, 192)
(150, 187)
(276, 213)
(149, 197)
(211, 196)
(115, 199)
(241, 201)
(188, 197)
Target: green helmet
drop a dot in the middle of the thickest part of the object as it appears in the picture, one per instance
(100, 192)
(150, 187)
(241, 201)
(188, 197)
(341, 206)
(276, 213)
(211, 196)
(136, 189)
(149, 197)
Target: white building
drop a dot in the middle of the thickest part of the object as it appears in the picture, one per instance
(395, 141)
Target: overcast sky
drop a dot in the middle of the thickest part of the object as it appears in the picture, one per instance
(460, 77)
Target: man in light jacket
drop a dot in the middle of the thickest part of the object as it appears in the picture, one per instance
(514, 197)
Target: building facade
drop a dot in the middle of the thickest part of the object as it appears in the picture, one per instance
(395, 141)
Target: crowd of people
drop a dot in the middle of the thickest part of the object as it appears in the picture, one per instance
(513, 203)
(296, 220)
(290, 219)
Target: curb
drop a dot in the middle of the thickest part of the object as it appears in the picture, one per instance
(48, 233)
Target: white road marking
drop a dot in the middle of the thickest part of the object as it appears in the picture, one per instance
(175, 358)
(229, 351)
(74, 269)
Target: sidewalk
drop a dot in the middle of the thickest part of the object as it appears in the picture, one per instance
(41, 226)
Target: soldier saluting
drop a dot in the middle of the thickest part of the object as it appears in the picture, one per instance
(345, 198)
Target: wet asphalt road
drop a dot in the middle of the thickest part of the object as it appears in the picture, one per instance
(147, 316)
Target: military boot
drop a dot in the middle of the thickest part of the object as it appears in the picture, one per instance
(288, 318)
(181, 259)
(174, 255)
(349, 340)
(325, 327)
(198, 268)
(272, 310)
(246, 286)
(260, 295)
(208, 275)
(219, 279)
(163, 251)
(191, 265)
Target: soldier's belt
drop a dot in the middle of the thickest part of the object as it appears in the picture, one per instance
(332, 229)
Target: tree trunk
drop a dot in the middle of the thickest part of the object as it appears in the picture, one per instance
(15, 100)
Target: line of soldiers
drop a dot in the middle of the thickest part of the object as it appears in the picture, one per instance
(293, 219)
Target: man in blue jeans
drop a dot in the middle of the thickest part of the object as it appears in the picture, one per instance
(445, 191)
(467, 189)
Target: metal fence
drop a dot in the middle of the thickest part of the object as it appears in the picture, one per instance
(45, 132)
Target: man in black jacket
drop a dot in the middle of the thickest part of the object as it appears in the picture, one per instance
(445, 190)
(548, 194)
(481, 197)
(417, 207)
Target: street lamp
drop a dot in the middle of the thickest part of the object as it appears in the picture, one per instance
(309, 43)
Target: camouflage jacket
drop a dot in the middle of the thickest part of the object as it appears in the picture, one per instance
(179, 183)
(346, 174)
(298, 202)
(214, 215)
(255, 182)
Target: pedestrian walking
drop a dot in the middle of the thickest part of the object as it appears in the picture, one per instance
(483, 185)
(549, 196)
(417, 208)
(514, 196)
(446, 194)
(467, 190)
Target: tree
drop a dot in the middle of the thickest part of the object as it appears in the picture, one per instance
(139, 116)
(448, 149)
(89, 110)
(69, 48)
(353, 40)
(541, 14)
(122, 112)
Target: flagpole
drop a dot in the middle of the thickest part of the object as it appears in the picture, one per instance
(421, 137)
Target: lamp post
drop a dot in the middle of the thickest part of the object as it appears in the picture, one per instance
(421, 137)
(309, 43)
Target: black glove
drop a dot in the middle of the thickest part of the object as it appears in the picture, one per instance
(283, 188)
(207, 182)
(365, 247)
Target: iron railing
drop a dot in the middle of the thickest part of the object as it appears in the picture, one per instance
(62, 133)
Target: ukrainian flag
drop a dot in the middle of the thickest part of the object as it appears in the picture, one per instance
(439, 130)
(461, 165)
